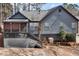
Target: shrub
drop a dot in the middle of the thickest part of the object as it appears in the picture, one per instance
(62, 34)
(70, 37)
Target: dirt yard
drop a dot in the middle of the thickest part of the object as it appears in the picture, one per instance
(45, 51)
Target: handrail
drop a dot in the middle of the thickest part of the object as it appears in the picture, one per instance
(34, 37)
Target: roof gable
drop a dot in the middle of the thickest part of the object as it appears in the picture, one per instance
(34, 15)
(18, 15)
(54, 9)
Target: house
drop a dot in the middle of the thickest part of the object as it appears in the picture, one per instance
(23, 25)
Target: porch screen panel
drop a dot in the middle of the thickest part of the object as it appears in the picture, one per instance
(15, 27)
(7, 27)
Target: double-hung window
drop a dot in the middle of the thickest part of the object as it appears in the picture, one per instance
(73, 25)
(46, 26)
(33, 27)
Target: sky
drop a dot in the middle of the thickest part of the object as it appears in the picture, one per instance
(51, 5)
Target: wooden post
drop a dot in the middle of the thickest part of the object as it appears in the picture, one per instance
(77, 27)
(27, 27)
(39, 33)
(10, 27)
(19, 28)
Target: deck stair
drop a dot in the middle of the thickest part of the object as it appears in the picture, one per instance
(33, 37)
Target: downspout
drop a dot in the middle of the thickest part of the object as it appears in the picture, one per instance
(76, 34)
(77, 27)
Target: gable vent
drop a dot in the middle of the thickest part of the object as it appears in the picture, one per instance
(59, 10)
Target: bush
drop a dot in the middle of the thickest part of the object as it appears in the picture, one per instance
(62, 34)
(70, 37)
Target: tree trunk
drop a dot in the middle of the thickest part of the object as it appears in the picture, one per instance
(39, 33)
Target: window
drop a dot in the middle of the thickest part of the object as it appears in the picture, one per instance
(46, 26)
(33, 27)
(61, 27)
(59, 11)
(61, 24)
(73, 25)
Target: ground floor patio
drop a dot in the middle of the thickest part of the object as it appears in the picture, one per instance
(20, 43)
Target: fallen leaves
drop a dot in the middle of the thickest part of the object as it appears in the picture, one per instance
(45, 51)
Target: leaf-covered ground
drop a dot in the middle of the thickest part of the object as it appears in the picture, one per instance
(45, 51)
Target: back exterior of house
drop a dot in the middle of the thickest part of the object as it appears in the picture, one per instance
(21, 26)
(56, 18)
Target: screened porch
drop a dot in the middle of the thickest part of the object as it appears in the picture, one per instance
(15, 30)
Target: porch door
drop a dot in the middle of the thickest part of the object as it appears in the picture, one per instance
(23, 27)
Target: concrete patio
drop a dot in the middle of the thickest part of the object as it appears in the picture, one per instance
(19, 42)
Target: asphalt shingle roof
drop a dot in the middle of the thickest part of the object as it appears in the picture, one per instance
(34, 15)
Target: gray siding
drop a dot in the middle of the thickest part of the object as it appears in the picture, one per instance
(55, 19)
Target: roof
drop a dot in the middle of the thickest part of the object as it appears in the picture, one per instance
(73, 11)
(34, 15)
(53, 9)
(15, 16)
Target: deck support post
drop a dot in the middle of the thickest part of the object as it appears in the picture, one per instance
(19, 28)
(10, 27)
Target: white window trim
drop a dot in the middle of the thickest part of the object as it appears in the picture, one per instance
(73, 25)
(46, 26)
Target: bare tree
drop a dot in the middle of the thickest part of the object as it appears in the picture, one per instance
(28, 6)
